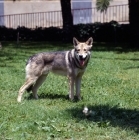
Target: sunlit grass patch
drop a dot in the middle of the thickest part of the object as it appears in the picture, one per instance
(110, 90)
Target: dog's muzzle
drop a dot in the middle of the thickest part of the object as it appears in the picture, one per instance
(82, 60)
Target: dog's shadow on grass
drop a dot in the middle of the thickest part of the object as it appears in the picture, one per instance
(52, 96)
(105, 116)
(48, 96)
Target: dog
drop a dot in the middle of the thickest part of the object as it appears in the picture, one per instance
(70, 63)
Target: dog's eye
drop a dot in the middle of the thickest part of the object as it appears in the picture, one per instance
(77, 50)
(85, 50)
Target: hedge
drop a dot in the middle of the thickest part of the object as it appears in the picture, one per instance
(101, 32)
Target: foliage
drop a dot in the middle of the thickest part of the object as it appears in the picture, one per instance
(102, 5)
(107, 32)
(103, 32)
(109, 88)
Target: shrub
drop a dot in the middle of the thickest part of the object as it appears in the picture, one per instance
(106, 32)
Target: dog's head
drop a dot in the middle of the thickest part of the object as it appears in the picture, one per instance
(82, 50)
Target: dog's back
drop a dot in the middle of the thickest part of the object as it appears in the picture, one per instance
(42, 63)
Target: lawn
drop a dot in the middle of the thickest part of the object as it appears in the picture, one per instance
(110, 88)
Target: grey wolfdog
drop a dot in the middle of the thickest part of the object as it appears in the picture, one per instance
(70, 63)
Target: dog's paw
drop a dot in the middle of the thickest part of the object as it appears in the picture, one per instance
(70, 97)
(19, 100)
(78, 98)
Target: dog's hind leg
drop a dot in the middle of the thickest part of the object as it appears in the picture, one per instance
(29, 88)
(38, 83)
(26, 85)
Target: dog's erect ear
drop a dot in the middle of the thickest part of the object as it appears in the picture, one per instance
(75, 41)
(89, 42)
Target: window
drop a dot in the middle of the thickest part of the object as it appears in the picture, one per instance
(82, 11)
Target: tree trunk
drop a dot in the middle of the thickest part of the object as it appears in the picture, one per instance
(67, 19)
(134, 23)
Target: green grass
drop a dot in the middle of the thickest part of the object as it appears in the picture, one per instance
(110, 88)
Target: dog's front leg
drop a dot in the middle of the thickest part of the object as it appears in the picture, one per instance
(78, 86)
(71, 87)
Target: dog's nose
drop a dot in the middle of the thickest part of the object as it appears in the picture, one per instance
(80, 56)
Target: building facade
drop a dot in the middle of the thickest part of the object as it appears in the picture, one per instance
(46, 13)
(8, 7)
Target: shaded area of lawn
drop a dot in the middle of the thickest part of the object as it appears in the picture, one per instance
(101, 46)
(58, 46)
(106, 115)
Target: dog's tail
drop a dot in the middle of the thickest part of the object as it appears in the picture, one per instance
(29, 88)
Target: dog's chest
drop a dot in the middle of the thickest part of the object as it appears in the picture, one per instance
(78, 71)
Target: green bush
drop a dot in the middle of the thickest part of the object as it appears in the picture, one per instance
(106, 32)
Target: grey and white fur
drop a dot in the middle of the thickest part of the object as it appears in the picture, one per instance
(70, 63)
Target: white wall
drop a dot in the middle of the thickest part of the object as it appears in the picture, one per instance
(18, 7)
(30, 6)
(55, 19)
